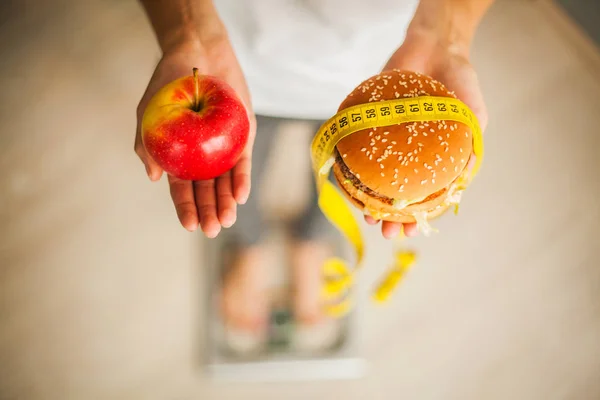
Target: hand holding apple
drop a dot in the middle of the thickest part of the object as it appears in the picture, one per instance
(210, 204)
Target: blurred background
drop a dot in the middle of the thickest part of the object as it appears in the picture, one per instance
(101, 289)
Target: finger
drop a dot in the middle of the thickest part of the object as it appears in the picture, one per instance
(226, 205)
(472, 161)
(390, 229)
(476, 104)
(207, 207)
(410, 230)
(469, 91)
(153, 170)
(482, 116)
(241, 174)
(241, 179)
(182, 193)
(370, 220)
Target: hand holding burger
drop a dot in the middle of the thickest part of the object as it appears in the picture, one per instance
(437, 45)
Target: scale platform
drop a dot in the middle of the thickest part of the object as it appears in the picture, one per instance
(278, 359)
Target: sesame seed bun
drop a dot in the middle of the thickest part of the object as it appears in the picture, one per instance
(395, 172)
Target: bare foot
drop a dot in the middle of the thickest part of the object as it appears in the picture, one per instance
(315, 331)
(307, 277)
(244, 299)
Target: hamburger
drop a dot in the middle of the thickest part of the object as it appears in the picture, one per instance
(409, 172)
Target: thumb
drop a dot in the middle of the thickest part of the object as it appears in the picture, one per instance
(153, 170)
(469, 91)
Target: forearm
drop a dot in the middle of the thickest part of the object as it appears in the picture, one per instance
(452, 21)
(189, 22)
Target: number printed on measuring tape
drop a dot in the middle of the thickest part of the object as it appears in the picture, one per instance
(427, 107)
(442, 107)
(414, 107)
(384, 112)
(370, 113)
(342, 120)
(400, 109)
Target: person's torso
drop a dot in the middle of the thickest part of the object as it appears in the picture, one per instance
(301, 57)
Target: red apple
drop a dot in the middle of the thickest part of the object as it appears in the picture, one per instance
(195, 127)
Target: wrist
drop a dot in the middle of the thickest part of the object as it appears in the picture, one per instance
(194, 38)
(447, 24)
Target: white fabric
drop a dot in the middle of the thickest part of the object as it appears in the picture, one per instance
(302, 57)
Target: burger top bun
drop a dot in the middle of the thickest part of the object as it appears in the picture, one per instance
(406, 161)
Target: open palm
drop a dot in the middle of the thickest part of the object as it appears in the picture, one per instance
(210, 204)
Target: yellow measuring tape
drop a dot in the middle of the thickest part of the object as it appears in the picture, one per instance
(338, 276)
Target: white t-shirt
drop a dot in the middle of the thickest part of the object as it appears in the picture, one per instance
(302, 57)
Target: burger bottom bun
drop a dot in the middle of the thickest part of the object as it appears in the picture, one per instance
(434, 206)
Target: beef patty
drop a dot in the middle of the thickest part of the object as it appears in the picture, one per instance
(348, 175)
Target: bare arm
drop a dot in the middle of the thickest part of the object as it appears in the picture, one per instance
(453, 21)
(189, 22)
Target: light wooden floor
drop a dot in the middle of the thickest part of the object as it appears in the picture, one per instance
(99, 286)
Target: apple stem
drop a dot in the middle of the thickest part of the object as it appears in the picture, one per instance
(196, 89)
